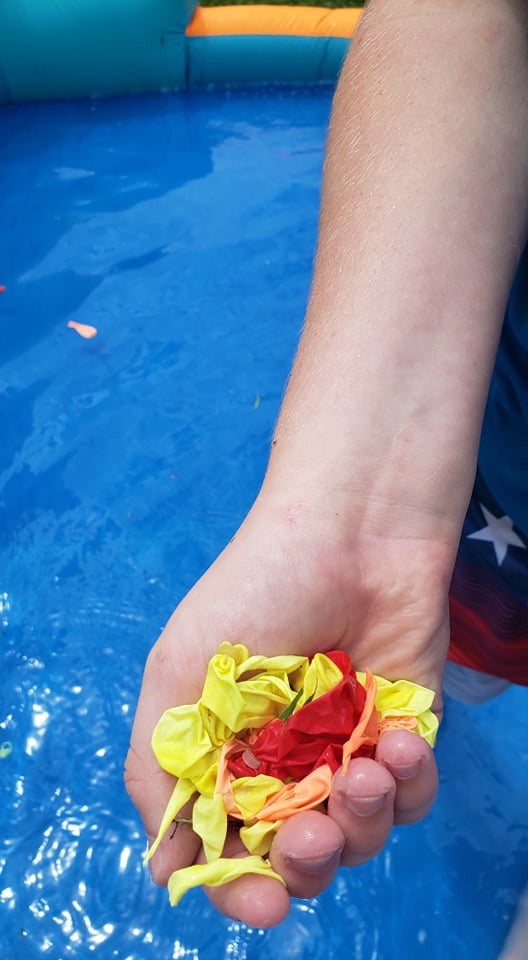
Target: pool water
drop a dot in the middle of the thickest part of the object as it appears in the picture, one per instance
(183, 229)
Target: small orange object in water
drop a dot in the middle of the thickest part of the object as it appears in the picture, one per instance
(83, 329)
(2, 288)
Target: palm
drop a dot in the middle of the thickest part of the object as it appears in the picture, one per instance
(286, 591)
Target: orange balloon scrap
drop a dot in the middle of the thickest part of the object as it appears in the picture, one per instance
(2, 288)
(83, 329)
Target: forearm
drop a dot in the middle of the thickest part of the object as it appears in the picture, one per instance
(422, 219)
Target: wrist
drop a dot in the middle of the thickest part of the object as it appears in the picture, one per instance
(404, 479)
(335, 528)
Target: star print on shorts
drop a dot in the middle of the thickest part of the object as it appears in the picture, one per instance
(488, 599)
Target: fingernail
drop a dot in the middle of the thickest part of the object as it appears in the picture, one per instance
(405, 771)
(365, 806)
(316, 864)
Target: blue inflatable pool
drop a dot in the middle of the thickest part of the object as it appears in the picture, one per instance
(181, 227)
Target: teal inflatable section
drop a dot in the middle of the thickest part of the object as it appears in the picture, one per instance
(232, 59)
(62, 49)
(53, 49)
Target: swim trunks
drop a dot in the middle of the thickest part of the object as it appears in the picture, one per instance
(488, 602)
(489, 590)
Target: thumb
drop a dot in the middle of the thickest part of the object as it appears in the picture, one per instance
(148, 785)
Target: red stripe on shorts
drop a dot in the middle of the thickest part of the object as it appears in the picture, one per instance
(489, 625)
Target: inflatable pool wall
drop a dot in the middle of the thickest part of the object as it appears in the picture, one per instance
(54, 50)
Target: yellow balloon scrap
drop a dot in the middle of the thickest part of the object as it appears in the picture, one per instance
(395, 702)
(242, 693)
(217, 873)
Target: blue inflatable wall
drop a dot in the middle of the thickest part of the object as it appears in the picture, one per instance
(50, 49)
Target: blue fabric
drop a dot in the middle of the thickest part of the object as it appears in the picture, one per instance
(503, 454)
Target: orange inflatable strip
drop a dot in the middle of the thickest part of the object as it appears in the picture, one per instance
(270, 20)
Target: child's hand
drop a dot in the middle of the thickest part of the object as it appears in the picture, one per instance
(281, 586)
